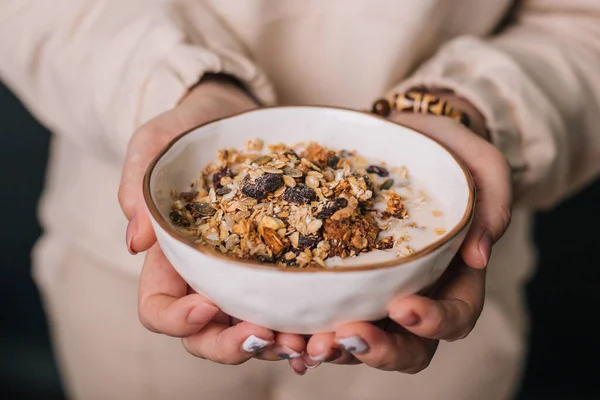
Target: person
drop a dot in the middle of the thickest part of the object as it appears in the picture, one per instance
(115, 80)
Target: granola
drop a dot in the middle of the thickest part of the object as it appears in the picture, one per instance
(293, 206)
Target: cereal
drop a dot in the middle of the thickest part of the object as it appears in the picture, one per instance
(293, 206)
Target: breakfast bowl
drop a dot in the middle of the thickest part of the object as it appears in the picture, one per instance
(310, 300)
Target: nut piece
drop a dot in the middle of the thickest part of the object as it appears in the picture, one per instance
(274, 242)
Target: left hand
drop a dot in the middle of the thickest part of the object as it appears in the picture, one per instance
(409, 342)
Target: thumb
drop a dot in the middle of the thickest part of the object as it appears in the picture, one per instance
(143, 147)
(492, 211)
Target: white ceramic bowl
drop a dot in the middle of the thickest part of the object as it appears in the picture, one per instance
(307, 301)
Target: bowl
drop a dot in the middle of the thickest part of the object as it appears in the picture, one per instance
(309, 300)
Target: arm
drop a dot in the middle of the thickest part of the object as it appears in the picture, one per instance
(95, 70)
(538, 86)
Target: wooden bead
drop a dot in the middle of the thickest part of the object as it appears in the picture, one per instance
(382, 107)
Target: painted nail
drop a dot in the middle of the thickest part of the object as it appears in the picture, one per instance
(406, 318)
(310, 363)
(319, 358)
(285, 353)
(252, 344)
(202, 313)
(130, 235)
(353, 344)
(485, 247)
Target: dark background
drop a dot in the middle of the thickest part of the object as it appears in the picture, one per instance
(563, 297)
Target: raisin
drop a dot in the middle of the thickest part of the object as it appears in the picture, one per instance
(308, 241)
(216, 179)
(376, 169)
(262, 185)
(331, 207)
(332, 160)
(300, 194)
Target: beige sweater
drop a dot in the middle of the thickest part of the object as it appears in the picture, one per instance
(94, 70)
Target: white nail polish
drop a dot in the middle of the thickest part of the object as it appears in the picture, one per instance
(252, 344)
(353, 344)
(312, 366)
(319, 358)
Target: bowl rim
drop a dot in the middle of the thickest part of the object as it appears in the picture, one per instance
(162, 221)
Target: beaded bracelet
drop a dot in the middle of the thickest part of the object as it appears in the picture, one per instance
(419, 102)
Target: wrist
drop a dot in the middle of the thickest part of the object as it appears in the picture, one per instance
(476, 118)
(222, 89)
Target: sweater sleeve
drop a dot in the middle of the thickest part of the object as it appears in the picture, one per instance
(537, 83)
(94, 70)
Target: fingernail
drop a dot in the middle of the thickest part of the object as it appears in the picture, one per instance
(252, 344)
(485, 247)
(353, 344)
(319, 358)
(285, 353)
(310, 363)
(406, 318)
(130, 234)
(202, 313)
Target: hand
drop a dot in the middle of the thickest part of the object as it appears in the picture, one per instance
(409, 342)
(166, 304)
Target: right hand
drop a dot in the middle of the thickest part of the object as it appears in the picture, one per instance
(166, 304)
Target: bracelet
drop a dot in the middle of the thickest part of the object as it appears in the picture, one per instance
(419, 102)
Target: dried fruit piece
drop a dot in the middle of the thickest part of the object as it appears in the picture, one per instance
(261, 186)
(300, 194)
(331, 207)
(378, 170)
(308, 241)
(216, 178)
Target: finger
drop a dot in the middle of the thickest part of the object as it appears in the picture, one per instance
(163, 305)
(297, 365)
(323, 348)
(492, 210)
(287, 346)
(453, 315)
(143, 147)
(230, 345)
(491, 174)
(386, 351)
